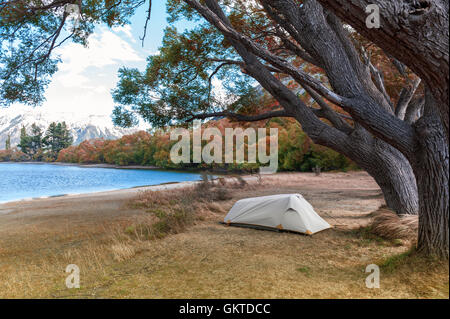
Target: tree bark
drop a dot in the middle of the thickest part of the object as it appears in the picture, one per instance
(389, 167)
(418, 37)
(393, 173)
(431, 169)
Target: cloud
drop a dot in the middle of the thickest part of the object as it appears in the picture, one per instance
(127, 30)
(86, 76)
(80, 66)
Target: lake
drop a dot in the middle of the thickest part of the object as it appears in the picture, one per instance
(24, 181)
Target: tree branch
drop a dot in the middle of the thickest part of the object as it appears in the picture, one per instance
(147, 19)
(327, 112)
(241, 117)
(317, 130)
(406, 95)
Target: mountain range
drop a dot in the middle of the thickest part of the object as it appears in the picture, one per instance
(82, 127)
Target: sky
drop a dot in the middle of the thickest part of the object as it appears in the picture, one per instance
(86, 76)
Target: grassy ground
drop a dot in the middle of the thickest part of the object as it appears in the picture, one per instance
(169, 244)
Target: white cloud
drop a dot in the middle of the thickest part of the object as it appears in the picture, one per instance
(86, 76)
(80, 65)
(125, 29)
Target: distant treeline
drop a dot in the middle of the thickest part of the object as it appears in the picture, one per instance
(296, 151)
(38, 145)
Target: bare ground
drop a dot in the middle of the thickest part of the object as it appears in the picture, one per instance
(39, 238)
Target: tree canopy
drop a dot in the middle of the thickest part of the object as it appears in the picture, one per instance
(30, 31)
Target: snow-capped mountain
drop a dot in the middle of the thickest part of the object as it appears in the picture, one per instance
(82, 127)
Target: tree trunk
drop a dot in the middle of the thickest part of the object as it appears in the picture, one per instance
(388, 166)
(393, 173)
(432, 173)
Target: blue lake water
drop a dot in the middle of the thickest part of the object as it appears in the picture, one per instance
(22, 181)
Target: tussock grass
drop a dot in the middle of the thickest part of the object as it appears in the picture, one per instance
(171, 212)
(122, 251)
(387, 224)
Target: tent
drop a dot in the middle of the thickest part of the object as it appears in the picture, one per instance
(289, 212)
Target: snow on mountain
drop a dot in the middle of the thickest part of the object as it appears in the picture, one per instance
(82, 127)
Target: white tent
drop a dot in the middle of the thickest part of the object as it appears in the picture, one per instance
(284, 212)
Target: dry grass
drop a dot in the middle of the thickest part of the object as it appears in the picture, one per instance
(189, 255)
(172, 212)
(387, 224)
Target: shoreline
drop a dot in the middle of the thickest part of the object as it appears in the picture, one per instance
(104, 193)
(216, 171)
(107, 166)
(114, 191)
(91, 165)
(107, 193)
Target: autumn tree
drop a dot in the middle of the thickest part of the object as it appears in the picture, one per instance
(306, 30)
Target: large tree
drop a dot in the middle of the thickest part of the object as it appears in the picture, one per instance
(304, 29)
(416, 32)
(176, 87)
(265, 40)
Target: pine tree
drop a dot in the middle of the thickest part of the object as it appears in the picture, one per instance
(8, 142)
(57, 137)
(50, 139)
(36, 142)
(25, 141)
(66, 137)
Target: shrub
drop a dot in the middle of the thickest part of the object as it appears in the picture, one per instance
(13, 155)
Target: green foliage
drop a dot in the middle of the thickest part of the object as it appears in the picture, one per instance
(177, 82)
(39, 146)
(391, 263)
(31, 144)
(57, 137)
(326, 159)
(305, 270)
(8, 142)
(31, 30)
